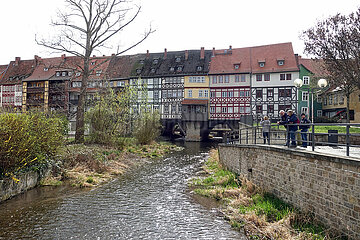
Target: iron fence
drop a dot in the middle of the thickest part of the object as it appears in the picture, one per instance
(348, 138)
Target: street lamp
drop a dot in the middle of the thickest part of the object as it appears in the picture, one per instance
(322, 83)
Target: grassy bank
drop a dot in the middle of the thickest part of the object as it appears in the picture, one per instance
(89, 165)
(258, 214)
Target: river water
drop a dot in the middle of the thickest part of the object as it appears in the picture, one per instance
(152, 201)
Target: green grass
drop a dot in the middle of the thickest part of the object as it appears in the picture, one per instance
(267, 204)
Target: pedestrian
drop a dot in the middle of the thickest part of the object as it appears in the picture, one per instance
(293, 127)
(283, 121)
(304, 129)
(265, 123)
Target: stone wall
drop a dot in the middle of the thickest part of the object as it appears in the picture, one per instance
(327, 185)
(9, 188)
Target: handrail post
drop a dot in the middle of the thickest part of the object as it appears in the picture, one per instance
(240, 136)
(347, 140)
(247, 136)
(313, 136)
(255, 136)
(287, 137)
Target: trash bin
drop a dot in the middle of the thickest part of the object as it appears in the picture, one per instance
(333, 136)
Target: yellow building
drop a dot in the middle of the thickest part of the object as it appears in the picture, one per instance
(334, 104)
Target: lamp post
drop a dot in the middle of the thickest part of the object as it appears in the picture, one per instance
(322, 83)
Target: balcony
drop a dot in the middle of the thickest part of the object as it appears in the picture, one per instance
(35, 89)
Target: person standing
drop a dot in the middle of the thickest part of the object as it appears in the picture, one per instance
(293, 127)
(283, 121)
(265, 123)
(304, 129)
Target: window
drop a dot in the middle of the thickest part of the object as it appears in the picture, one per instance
(282, 76)
(138, 71)
(58, 74)
(64, 74)
(335, 99)
(212, 109)
(178, 59)
(156, 94)
(226, 78)
(237, 78)
(304, 110)
(78, 74)
(156, 61)
(180, 68)
(206, 93)
(259, 109)
(230, 109)
(224, 109)
(152, 70)
(330, 99)
(267, 77)
(247, 93)
(220, 79)
(224, 94)
(76, 84)
(280, 62)
(199, 68)
(259, 93)
(319, 113)
(46, 69)
(200, 93)
(212, 94)
(261, 64)
(341, 99)
(243, 78)
(172, 69)
(231, 94)
(93, 63)
(214, 80)
(98, 72)
(270, 109)
(270, 93)
(236, 66)
(288, 76)
(284, 92)
(190, 93)
(242, 93)
(305, 96)
(306, 80)
(258, 77)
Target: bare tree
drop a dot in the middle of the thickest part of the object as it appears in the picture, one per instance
(336, 41)
(87, 26)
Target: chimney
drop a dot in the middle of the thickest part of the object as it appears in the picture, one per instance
(202, 53)
(165, 53)
(186, 54)
(147, 54)
(94, 55)
(17, 60)
(230, 47)
(213, 52)
(63, 56)
(113, 54)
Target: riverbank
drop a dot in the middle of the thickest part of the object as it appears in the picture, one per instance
(249, 209)
(90, 165)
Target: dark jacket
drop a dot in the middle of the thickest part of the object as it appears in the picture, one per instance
(284, 119)
(305, 127)
(292, 120)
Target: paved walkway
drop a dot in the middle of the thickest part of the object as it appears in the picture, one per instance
(339, 150)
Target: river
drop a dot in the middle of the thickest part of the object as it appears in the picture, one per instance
(152, 201)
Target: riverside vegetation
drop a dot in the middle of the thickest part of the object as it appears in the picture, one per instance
(118, 139)
(260, 215)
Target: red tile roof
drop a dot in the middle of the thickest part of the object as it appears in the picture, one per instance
(17, 70)
(250, 57)
(313, 65)
(120, 67)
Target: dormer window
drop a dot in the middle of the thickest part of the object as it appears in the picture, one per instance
(58, 74)
(178, 59)
(98, 72)
(138, 71)
(155, 61)
(46, 69)
(78, 74)
(262, 63)
(172, 69)
(64, 74)
(93, 63)
(152, 70)
(142, 61)
(236, 66)
(280, 62)
(180, 68)
(199, 68)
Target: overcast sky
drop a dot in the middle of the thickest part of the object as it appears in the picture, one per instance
(179, 25)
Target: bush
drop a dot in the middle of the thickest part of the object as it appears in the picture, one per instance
(28, 139)
(147, 127)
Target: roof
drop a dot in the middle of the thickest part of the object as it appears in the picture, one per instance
(312, 65)
(173, 63)
(120, 67)
(45, 68)
(195, 101)
(248, 59)
(17, 70)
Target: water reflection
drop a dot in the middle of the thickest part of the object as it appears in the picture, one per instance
(151, 202)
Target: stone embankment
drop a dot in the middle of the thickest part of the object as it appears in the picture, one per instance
(324, 184)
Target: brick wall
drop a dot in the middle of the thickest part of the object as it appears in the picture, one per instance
(327, 185)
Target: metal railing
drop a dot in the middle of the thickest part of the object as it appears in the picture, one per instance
(278, 136)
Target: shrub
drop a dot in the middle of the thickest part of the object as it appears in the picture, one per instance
(27, 139)
(147, 127)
